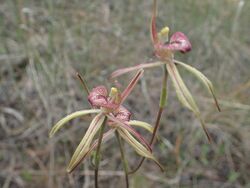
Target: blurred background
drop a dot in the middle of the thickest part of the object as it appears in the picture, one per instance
(43, 45)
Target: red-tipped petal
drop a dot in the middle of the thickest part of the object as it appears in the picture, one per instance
(131, 85)
(120, 72)
(178, 42)
(153, 29)
(127, 127)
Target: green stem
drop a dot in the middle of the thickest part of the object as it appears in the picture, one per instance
(98, 149)
(124, 161)
(162, 104)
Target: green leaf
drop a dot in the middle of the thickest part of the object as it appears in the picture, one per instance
(184, 95)
(207, 83)
(26, 175)
(84, 145)
(69, 117)
(233, 176)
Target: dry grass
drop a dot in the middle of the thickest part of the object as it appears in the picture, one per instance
(44, 43)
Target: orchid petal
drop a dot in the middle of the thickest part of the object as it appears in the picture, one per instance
(125, 126)
(142, 124)
(184, 95)
(69, 117)
(84, 145)
(120, 72)
(207, 83)
(139, 148)
(153, 30)
(178, 42)
(106, 136)
(131, 85)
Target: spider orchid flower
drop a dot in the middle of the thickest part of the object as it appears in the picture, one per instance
(164, 51)
(108, 107)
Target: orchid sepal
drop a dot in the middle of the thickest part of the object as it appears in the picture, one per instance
(206, 82)
(106, 136)
(142, 124)
(184, 94)
(69, 117)
(86, 141)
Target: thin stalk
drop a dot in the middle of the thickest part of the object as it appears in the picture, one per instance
(83, 82)
(162, 104)
(124, 161)
(98, 149)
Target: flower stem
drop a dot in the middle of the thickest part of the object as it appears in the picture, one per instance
(124, 161)
(162, 104)
(97, 155)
